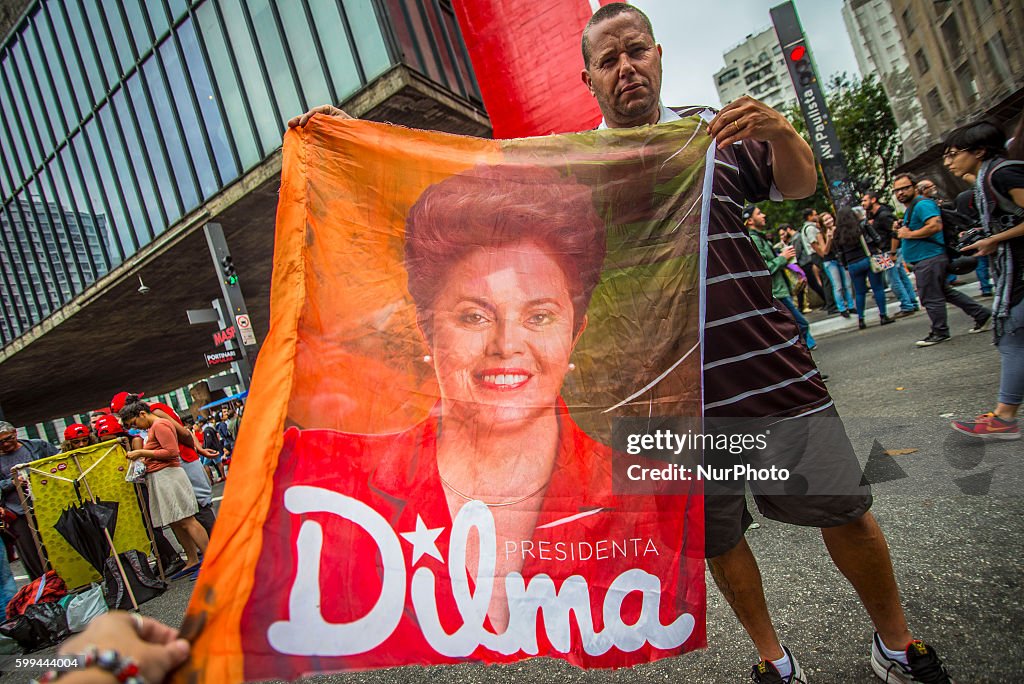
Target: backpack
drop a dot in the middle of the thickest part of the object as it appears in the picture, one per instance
(953, 223)
(145, 585)
(1005, 204)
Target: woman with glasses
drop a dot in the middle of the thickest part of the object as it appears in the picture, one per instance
(171, 498)
(979, 150)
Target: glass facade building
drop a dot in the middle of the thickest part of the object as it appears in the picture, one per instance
(117, 119)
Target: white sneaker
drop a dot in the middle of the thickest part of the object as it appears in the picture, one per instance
(924, 666)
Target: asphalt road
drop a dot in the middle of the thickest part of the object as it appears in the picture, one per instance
(951, 511)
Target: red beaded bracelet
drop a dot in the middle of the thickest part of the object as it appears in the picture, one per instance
(125, 670)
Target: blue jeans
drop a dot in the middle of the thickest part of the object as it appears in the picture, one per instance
(1011, 353)
(984, 279)
(7, 586)
(861, 273)
(801, 322)
(900, 283)
(842, 289)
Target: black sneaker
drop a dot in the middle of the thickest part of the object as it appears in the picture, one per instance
(766, 673)
(932, 339)
(981, 325)
(923, 665)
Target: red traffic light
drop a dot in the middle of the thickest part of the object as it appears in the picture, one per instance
(798, 53)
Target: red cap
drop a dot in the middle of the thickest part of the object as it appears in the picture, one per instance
(108, 426)
(118, 402)
(76, 430)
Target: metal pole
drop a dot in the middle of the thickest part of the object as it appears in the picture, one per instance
(237, 314)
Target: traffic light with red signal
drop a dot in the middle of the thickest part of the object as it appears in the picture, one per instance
(803, 70)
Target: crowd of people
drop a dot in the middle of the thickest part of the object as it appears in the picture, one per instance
(934, 240)
(179, 468)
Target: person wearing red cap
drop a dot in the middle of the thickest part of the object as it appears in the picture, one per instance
(172, 499)
(76, 436)
(109, 427)
(190, 449)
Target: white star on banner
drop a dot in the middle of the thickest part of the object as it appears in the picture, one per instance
(423, 540)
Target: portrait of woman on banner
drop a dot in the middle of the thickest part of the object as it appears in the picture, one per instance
(498, 483)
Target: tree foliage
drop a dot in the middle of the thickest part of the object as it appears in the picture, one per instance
(867, 134)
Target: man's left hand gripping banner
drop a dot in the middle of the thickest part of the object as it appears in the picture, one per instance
(425, 473)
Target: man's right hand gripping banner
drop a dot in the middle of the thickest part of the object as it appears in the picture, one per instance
(427, 471)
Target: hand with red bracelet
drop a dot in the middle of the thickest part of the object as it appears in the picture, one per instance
(154, 647)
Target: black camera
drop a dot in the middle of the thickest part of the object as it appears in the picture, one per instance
(970, 236)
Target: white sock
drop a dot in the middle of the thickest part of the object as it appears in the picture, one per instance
(784, 665)
(900, 656)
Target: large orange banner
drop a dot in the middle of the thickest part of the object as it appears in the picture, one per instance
(427, 472)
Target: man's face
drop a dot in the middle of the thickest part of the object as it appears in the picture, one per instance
(624, 72)
(905, 190)
(927, 189)
(8, 442)
(813, 218)
(757, 219)
(868, 203)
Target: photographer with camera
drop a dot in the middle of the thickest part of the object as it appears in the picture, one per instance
(920, 237)
(978, 150)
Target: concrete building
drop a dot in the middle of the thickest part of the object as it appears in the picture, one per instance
(756, 67)
(878, 48)
(967, 63)
(119, 141)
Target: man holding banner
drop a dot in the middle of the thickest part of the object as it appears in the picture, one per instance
(393, 460)
(623, 71)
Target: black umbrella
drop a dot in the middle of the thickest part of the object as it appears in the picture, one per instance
(82, 526)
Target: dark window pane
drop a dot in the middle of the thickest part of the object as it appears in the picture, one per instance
(340, 60)
(121, 35)
(105, 218)
(57, 245)
(57, 67)
(157, 17)
(129, 171)
(269, 41)
(18, 161)
(212, 120)
(108, 60)
(137, 25)
(84, 229)
(40, 270)
(299, 40)
(373, 54)
(46, 78)
(28, 87)
(67, 228)
(151, 134)
(255, 90)
(178, 7)
(86, 50)
(111, 190)
(189, 119)
(168, 133)
(80, 88)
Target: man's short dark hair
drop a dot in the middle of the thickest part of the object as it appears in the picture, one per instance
(980, 135)
(909, 177)
(873, 194)
(809, 212)
(607, 12)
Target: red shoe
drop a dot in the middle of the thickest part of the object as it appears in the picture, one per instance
(988, 426)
